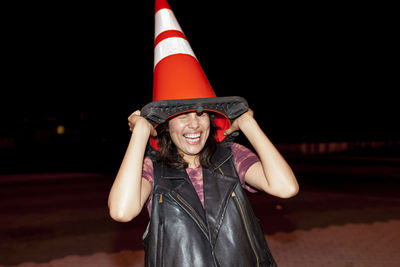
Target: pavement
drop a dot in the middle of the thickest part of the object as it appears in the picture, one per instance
(347, 213)
(350, 245)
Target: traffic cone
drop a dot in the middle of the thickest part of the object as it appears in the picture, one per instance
(177, 72)
(179, 82)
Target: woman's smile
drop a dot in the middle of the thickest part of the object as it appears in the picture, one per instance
(192, 138)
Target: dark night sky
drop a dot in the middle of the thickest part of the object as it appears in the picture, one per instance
(309, 72)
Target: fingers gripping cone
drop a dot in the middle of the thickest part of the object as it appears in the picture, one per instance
(177, 72)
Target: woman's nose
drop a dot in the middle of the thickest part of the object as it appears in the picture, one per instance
(193, 121)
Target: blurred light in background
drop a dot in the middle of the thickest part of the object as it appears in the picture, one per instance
(60, 129)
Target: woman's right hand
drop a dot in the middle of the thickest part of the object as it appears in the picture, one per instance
(135, 119)
(130, 190)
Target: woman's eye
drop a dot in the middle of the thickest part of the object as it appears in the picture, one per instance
(202, 114)
(182, 116)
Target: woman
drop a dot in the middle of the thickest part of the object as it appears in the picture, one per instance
(214, 226)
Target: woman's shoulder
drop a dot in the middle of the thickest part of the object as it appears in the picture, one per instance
(239, 148)
(244, 158)
(242, 153)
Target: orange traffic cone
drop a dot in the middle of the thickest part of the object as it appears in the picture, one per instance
(180, 84)
(177, 72)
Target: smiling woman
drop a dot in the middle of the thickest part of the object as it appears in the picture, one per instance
(193, 171)
(191, 177)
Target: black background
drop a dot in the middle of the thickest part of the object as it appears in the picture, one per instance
(310, 72)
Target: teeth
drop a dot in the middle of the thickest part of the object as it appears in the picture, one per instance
(192, 136)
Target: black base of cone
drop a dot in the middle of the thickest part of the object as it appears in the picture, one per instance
(159, 111)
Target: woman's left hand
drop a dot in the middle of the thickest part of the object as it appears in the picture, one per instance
(238, 122)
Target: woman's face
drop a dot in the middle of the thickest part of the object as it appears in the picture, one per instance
(189, 132)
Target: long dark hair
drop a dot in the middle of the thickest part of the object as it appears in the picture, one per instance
(168, 152)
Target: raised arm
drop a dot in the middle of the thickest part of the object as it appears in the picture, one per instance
(273, 174)
(130, 191)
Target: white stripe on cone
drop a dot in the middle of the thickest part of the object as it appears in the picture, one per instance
(171, 46)
(164, 21)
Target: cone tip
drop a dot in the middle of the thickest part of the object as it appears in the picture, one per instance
(160, 4)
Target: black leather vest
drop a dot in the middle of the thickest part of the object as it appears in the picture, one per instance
(224, 233)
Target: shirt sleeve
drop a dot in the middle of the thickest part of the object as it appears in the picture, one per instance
(148, 171)
(244, 158)
(148, 174)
